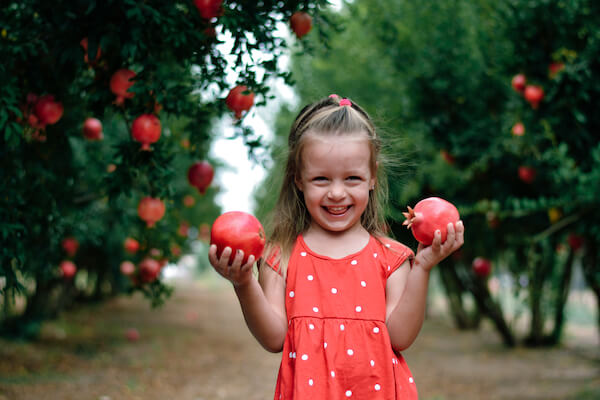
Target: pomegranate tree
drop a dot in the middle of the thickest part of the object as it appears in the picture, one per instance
(146, 130)
(120, 82)
(92, 129)
(200, 175)
(301, 23)
(240, 231)
(151, 210)
(429, 215)
(209, 9)
(534, 95)
(47, 110)
(238, 102)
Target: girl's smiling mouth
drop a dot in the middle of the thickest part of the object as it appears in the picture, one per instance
(336, 210)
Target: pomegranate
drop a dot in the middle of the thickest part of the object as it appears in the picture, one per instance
(68, 269)
(449, 158)
(110, 168)
(301, 23)
(209, 9)
(555, 68)
(200, 175)
(184, 228)
(151, 210)
(146, 130)
(149, 269)
(92, 129)
(70, 246)
(204, 232)
(240, 231)
(238, 102)
(132, 334)
(429, 215)
(575, 241)
(188, 200)
(127, 268)
(175, 250)
(131, 245)
(120, 82)
(518, 82)
(518, 129)
(534, 94)
(84, 44)
(527, 174)
(482, 267)
(47, 110)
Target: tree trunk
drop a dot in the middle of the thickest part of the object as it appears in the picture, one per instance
(454, 290)
(592, 276)
(561, 299)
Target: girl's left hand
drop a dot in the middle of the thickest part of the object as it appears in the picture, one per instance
(429, 256)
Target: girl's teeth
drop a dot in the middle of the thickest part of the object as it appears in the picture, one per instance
(336, 209)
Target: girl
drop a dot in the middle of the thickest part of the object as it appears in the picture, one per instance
(333, 292)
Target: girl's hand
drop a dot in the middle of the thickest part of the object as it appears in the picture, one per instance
(429, 256)
(236, 273)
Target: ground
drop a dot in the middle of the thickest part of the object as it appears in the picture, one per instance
(197, 347)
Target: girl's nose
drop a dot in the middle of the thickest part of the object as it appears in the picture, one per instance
(336, 192)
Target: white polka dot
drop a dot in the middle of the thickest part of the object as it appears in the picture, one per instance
(294, 355)
(316, 309)
(325, 345)
(377, 387)
(311, 382)
(304, 357)
(348, 393)
(394, 361)
(291, 355)
(358, 308)
(333, 374)
(303, 254)
(375, 255)
(363, 283)
(376, 330)
(342, 327)
(311, 326)
(387, 245)
(354, 262)
(333, 290)
(411, 380)
(389, 268)
(292, 294)
(350, 352)
(372, 363)
(310, 277)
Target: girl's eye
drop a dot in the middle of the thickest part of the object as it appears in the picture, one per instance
(352, 178)
(319, 178)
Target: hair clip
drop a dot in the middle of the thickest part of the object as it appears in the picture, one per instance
(334, 96)
(345, 102)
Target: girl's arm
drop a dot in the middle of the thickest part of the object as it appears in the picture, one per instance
(262, 300)
(406, 288)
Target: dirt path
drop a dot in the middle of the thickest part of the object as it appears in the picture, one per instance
(197, 347)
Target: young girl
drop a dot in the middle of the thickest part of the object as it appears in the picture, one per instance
(338, 297)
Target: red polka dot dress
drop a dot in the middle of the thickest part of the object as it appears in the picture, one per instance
(337, 345)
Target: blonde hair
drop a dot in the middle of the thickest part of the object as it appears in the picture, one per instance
(290, 216)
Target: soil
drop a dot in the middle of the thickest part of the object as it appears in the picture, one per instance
(197, 347)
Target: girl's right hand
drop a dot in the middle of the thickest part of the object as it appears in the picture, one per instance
(238, 274)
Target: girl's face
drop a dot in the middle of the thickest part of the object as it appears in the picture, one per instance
(335, 179)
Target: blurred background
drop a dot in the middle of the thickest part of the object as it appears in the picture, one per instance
(127, 128)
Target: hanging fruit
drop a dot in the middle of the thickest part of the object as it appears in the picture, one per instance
(518, 129)
(151, 210)
(237, 101)
(518, 83)
(555, 68)
(575, 241)
(47, 110)
(482, 267)
(146, 130)
(188, 200)
(149, 269)
(449, 158)
(127, 268)
(534, 95)
(84, 44)
(200, 175)
(527, 174)
(68, 269)
(92, 129)
(429, 215)
(120, 82)
(301, 23)
(209, 9)
(131, 245)
(70, 246)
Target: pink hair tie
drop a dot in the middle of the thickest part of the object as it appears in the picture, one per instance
(333, 96)
(345, 102)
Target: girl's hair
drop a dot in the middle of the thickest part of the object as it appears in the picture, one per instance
(290, 216)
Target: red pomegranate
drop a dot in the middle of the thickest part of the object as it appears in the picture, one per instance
(240, 231)
(237, 101)
(200, 175)
(518, 82)
(184, 228)
(84, 44)
(132, 334)
(575, 241)
(518, 129)
(449, 158)
(120, 82)
(127, 268)
(151, 210)
(301, 23)
(131, 245)
(429, 215)
(68, 269)
(555, 68)
(47, 110)
(527, 174)
(146, 130)
(534, 95)
(209, 9)
(482, 267)
(149, 269)
(92, 129)
(188, 200)
(70, 246)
